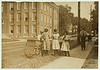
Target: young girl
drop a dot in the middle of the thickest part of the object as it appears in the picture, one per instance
(55, 42)
(65, 45)
(41, 43)
(46, 42)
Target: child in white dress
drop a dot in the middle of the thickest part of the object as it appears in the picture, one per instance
(65, 45)
(55, 42)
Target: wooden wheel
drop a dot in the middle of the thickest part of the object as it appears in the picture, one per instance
(32, 48)
(29, 51)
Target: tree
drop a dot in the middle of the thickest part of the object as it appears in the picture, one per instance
(65, 18)
(75, 20)
(85, 24)
(94, 17)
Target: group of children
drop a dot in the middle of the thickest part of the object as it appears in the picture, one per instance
(47, 45)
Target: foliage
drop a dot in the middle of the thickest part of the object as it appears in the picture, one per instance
(94, 17)
(65, 17)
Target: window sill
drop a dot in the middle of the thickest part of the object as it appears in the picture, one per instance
(18, 9)
(18, 21)
(33, 20)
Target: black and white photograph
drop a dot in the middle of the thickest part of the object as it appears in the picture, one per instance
(49, 35)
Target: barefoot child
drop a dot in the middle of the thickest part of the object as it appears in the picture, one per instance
(65, 45)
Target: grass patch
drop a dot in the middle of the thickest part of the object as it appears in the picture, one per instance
(92, 59)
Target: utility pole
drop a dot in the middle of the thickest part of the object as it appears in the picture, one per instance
(78, 36)
(90, 24)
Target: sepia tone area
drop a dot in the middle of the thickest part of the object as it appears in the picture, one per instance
(49, 35)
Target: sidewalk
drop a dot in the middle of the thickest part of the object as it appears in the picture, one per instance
(75, 61)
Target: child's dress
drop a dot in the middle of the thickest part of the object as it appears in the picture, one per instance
(55, 43)
(65, 45)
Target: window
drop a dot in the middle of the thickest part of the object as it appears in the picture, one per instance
(18, 6)
(41, 28)
(50, 32)
(2, 21)
(50, 20)
(41, 17)
(48, 8)
(55, 14)
(11, 17)
(55, 23)
(26, 17)
(19, 29)
(34, 5)
(26, 29)
(2, 8)
(11, 6)
(42, 6)
(26, 5)
(2, 18)
(51, 10)
(33, 29)
(45, 18)
(34, 16)
(11, 29)
(18, 17)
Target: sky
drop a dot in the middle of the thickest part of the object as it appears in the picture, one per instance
(84, 8)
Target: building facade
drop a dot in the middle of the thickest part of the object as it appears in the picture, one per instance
(27, 19)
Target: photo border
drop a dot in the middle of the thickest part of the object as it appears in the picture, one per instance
(49, 1)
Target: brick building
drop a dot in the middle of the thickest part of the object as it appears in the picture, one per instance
(27, 19)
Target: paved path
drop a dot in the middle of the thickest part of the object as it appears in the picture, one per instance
(66, 62)
(76, 60)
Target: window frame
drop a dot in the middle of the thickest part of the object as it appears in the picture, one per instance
(18, 17)
(11, 6)
(18, 29)
(42, 17)
(34, 6)
(34, 29)
(26, 32)
(11, 16)
(2, 7)
(18, 5)
(45, 18)
(42, 6)
(26, 17)
(34, 19)
(45, 7)
(11, 28)
(25, 5)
